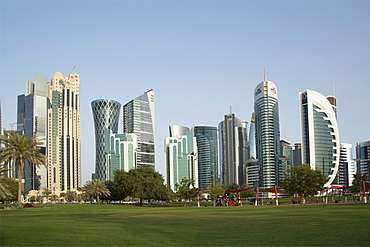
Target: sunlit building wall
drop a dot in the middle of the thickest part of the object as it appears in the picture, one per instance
(64, 145)
(320, 133)
(181, 156)
(233, 139)
(139, 118)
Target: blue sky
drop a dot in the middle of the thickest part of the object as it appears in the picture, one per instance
(200, 57)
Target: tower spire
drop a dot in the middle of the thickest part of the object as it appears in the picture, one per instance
(264, 74)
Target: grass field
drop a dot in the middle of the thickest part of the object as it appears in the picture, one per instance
(127, 225)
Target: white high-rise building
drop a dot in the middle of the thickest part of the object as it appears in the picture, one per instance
(347, 166)
(64, 146)
(320, 133)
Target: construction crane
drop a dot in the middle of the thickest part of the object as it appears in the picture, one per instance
(72, 70)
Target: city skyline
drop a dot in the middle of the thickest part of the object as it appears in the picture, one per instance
(200, 58)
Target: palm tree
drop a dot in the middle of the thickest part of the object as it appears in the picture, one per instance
(47, 194)
(96, 188)
(4, 186)
(21, 148)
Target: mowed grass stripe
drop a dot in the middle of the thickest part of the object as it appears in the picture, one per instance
(119, 225)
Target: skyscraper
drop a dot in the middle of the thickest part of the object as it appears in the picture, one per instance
(138, 118)
(266, 112)
(347, 166)
(64, 146)
(106, 117)
(181, 156)
(320, 133)
(233, 139)
(32, 120)
(297, 154)
(206, 137)
(252, 138)
(285, 160)
(120, 152)
(363, 158)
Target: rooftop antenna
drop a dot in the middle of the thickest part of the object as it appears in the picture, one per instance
(333, 90)
(264, 74)
(230, 111)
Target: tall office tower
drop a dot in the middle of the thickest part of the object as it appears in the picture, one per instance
(120, 152)
(206, 137)
(181, 156)
(1, 121)
(138, 118)
(297, 154)
(320, 133)
(347, 167)
(64, 145)
(32, 120)
(106, 117)
(363, 158)
(266, 110)
(252, 138)
(285, 160)
(233, 139)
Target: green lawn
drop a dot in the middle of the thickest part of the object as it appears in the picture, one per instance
(126, 225)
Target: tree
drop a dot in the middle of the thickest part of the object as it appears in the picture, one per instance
(356, 183)
(96, 188)
(19, 149)
(186, 190)
(142, 183)
(304, 181)
(4, 184)
(46, 193)
(216, 191)
(70, 196)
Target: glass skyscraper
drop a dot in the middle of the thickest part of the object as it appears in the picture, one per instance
(320, 133)
(233, 139)
(363, 158)
(138, 118)
(266, 112)
(206, 137)
(106, 117)
(32, 120)
(64, 144)
(347, 166)
(181, 156)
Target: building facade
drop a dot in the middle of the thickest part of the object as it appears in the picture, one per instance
(297, 154)
(120, 152)
(320, 133)
(63, 141)
(347, 166)
(267, 132)
(106, 117)
(181, 156)
(32, 120)
(363, 158)
(139, 118)
(207, 142)
(233, 143)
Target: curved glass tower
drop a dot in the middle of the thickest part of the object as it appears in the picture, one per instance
(266, 112)
(106, 116)
(320, 133)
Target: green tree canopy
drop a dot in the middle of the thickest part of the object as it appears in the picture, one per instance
(96, 188)
(19, 149)
(4, 184)
(356, 183)
(142, 183)
(304, 181)
(216, 191)
(186, 189)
